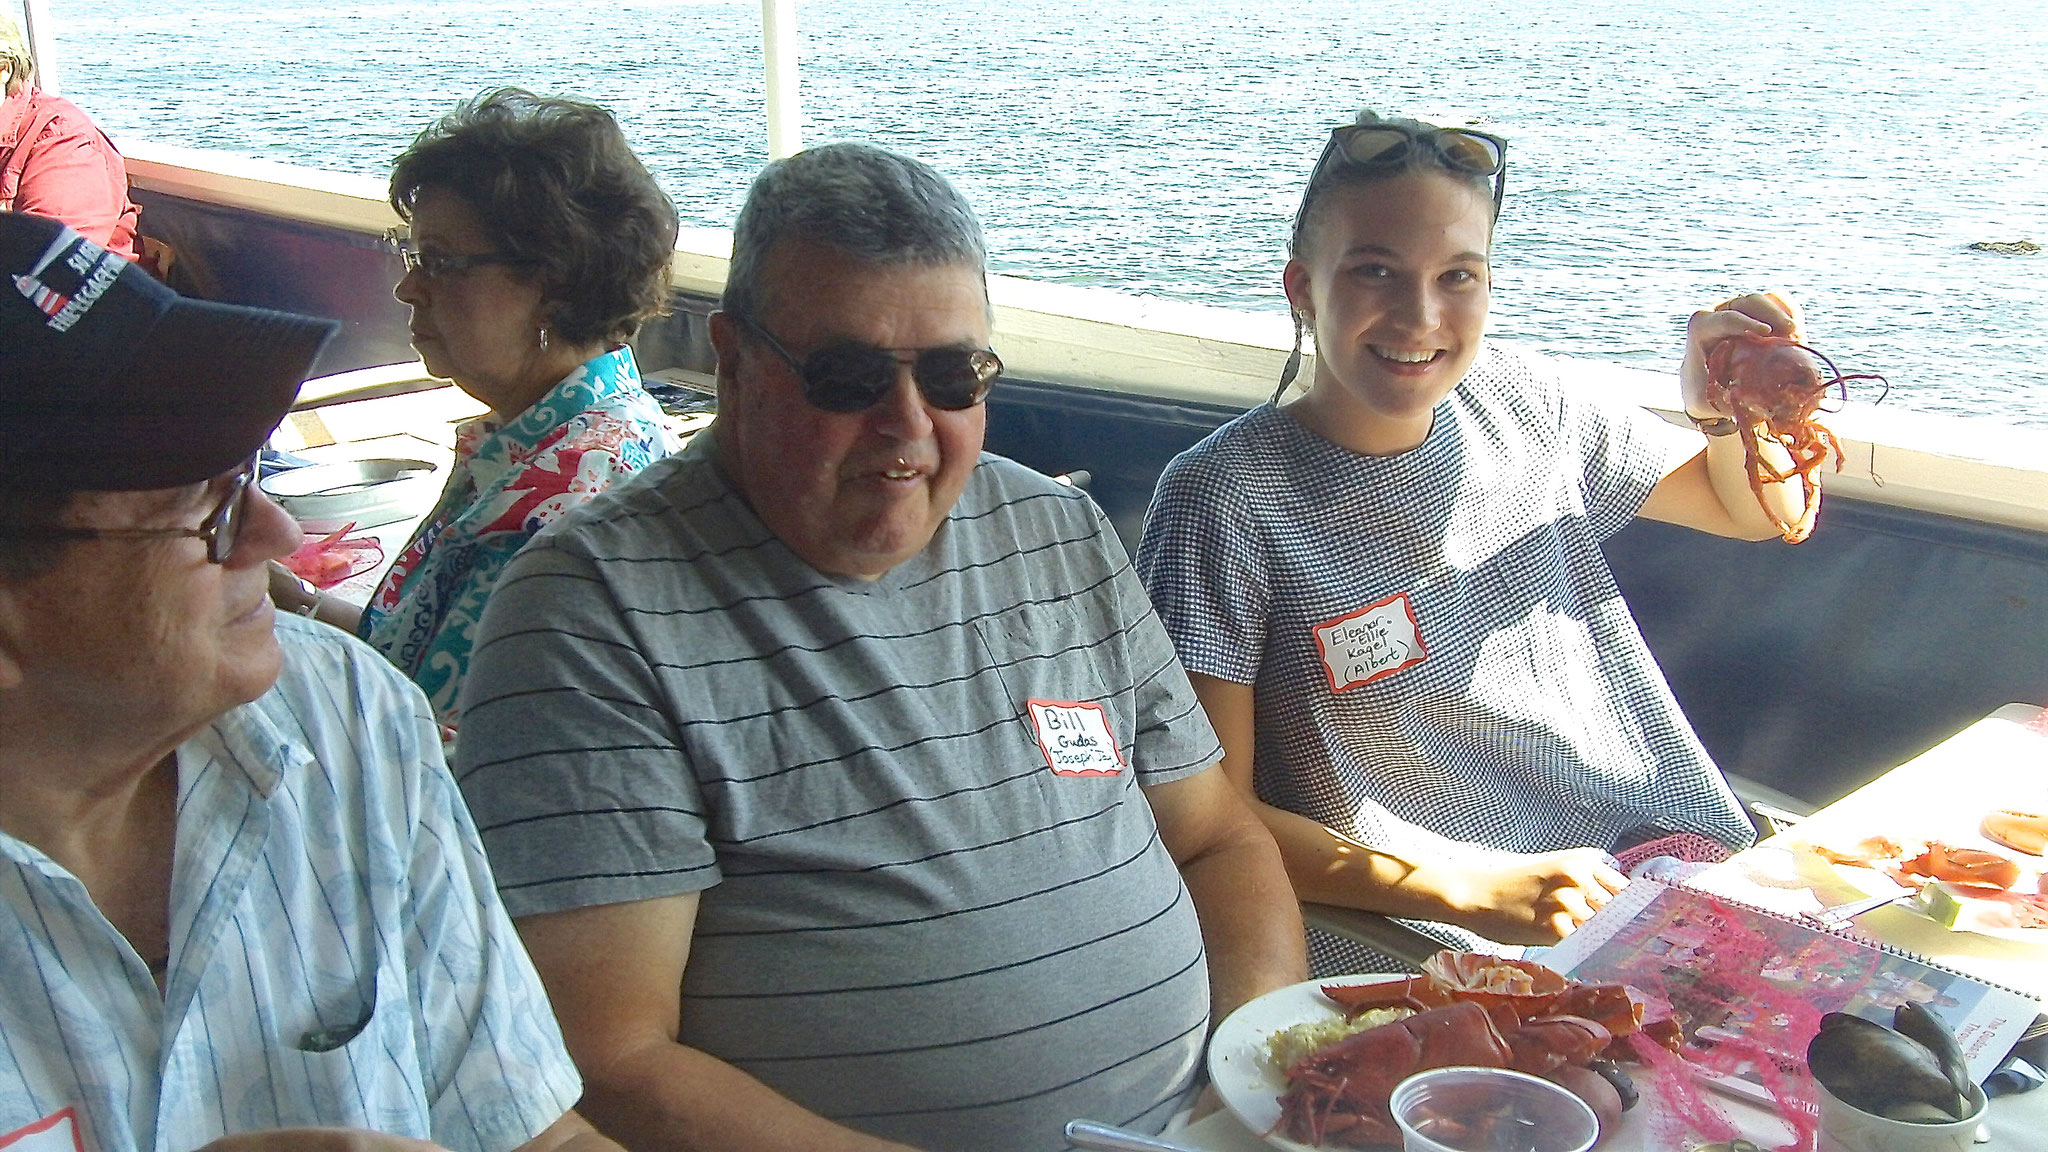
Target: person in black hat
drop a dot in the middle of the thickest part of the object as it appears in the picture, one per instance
(241, 900)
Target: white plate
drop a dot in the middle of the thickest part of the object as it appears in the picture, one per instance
(1247, 1081)
(365, 493)
(1251, 1087)
(1875, 882)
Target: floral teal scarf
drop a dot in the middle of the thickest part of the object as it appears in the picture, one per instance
(591, 430)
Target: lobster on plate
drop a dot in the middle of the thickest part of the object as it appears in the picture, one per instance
(1913, 863)
(1772, 387)
(1527, 989)
(1471, 1009)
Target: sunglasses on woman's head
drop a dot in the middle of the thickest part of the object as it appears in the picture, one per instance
(853, 377)
(1383, 147)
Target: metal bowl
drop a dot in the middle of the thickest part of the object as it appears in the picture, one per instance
(366, 493)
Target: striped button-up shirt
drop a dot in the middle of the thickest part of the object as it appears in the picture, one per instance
(338, 952)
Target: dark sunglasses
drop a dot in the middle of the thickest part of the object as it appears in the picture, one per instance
(1386, 147)
(852, 377)
(219, 529)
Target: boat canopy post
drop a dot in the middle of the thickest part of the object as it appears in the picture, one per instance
(41, 29)
(778, 53)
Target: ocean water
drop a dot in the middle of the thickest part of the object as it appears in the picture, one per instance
(1662, 155)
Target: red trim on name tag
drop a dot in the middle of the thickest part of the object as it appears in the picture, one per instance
(68, 1118)
(1075, 738)
(1370, 644)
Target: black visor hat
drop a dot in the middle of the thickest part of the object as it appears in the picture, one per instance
(110, 381)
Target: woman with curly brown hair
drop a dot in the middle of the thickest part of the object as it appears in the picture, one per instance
(539, 243)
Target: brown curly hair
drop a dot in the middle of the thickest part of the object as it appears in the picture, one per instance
(553, 181)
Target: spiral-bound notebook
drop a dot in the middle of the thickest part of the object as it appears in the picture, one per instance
(1736, 975)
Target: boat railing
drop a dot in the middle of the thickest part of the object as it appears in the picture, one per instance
(1179, 353)
(1912, 610)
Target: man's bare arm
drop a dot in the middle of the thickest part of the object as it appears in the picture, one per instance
(572, 1133)
(615, 975)
(1251, 922)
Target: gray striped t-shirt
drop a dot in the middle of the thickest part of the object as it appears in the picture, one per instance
(910, 921)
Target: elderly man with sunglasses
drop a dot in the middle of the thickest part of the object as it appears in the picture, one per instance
(838, 775)
(242, 905)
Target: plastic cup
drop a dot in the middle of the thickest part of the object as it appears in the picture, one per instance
(1490, 1110)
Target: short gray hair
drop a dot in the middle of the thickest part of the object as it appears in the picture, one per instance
(873, 205)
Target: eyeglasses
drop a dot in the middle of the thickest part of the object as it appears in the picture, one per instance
(437, 267)
(853, 377)
(1383, 147)
(219, 529)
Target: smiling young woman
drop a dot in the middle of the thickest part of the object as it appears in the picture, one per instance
(1389, 591)
(1395, 287)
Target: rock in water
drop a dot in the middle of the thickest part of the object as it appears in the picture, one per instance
(2006, 247)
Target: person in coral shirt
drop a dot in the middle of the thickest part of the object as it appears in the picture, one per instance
(54, 161)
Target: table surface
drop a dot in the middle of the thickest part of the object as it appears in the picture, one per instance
(394, 536)
(1998, 762)
(2014, 1123)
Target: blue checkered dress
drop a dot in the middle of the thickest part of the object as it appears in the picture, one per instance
(1439, 655)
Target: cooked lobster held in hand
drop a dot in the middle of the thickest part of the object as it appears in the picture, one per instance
(1772, 387)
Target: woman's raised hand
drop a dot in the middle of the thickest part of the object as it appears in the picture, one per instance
(1757, 314)
(1771, 307)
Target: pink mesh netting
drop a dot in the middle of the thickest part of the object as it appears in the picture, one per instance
(1738, 993)
(1688, 846)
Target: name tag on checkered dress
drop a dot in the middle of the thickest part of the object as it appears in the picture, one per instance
(1370, 644)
